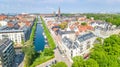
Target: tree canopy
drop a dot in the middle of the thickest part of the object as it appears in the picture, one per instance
(48, 52)
(84, 24)
(28, 48)
(59, 64)
(63, 25)
(112, 18)
(102, 55)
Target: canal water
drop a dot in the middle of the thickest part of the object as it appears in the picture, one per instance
(39, 41)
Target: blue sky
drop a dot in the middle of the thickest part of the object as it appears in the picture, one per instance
(67, 6)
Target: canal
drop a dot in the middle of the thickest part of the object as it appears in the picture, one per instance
(39, 41)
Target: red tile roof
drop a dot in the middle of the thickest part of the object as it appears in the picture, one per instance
(81, 19)
(55, 29)
(49, 23)
(55, 24)
(72, 27)
(27, 23)
(10, 24)
(84, 28)
(2, 17)
(77, 33)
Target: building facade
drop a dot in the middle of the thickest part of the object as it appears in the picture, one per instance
(17, 36)
(79, 47)
(7, 53)
(17, 28)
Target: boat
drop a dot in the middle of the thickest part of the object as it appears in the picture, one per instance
(45, 37)
(46, 46)
(46, 41)
(43, 33)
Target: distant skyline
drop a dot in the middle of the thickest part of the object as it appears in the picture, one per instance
(67, 6)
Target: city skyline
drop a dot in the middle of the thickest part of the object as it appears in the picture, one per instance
(67, 6)
(59, 33)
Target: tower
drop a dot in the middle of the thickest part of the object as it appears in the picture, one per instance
(59, 14)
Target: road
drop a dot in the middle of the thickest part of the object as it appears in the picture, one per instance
(58, 57)
(46, 63)
(61, 57)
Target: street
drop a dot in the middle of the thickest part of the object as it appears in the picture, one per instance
(61, 57)
(58, 57)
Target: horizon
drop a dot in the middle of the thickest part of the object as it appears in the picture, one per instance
(61, 13)
(67, 6)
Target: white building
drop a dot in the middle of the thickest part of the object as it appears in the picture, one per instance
(104, 25)
(3, 23)
(16, 36)
(102, 29)
(79, 47)
(49, 19)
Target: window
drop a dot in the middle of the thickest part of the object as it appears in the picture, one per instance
(0, 61)
(71, 53)
(81, 47)
(5, 36)
(88, 44)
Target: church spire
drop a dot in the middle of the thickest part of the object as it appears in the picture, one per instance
(59, 13)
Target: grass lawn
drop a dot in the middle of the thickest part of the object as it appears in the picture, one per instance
(41, 60)
(49, 37)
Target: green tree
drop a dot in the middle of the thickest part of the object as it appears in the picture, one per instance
(84, 24)
(28, 48)
(91, 63)
(113, 61)
(102, 55)
(111, 18)
(63, 25)
(78, 62)
(60, 64)
(99, 40)
(48, 52)
(29, 55)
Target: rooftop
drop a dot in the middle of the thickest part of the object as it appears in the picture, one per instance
(85, 37)
(67, 42)
(65, 32)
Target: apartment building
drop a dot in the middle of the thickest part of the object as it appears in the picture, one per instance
(80, 46)
(7, 53)
(17, 29)
(16, 35)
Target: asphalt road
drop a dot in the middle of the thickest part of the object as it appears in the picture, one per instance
(61, 57)
(58, 57)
